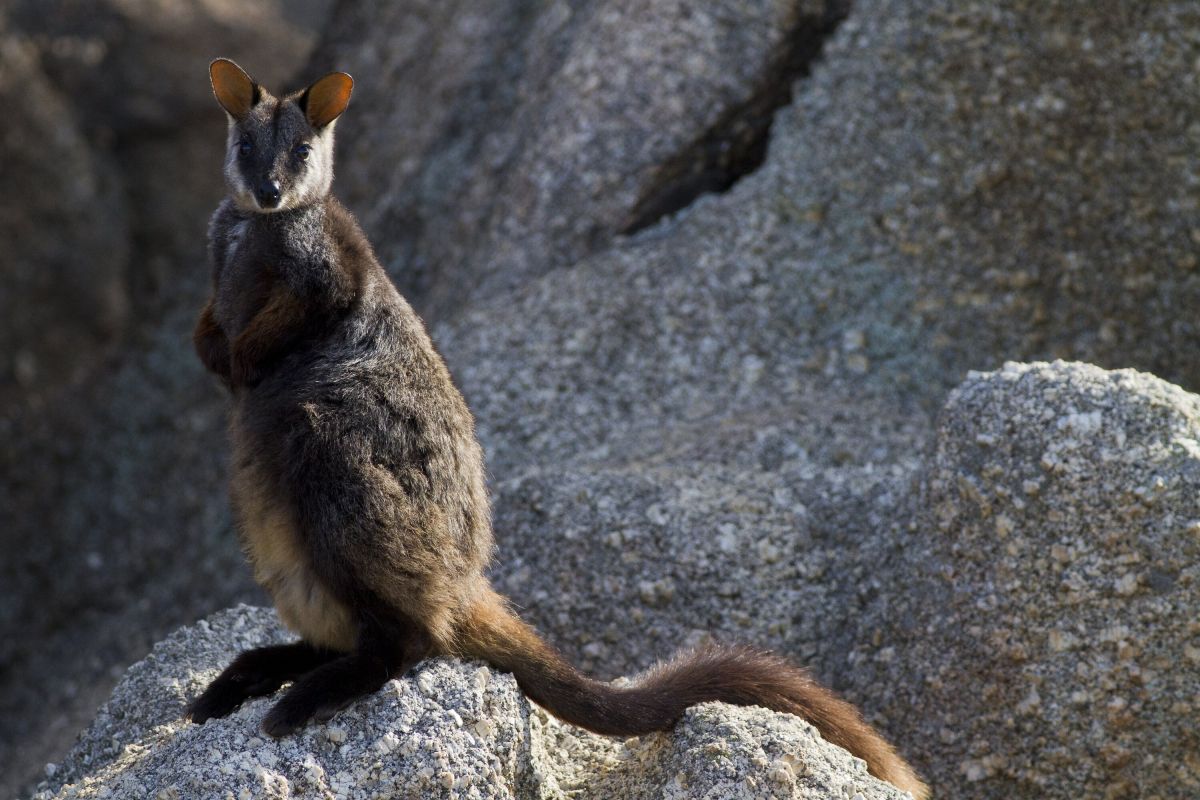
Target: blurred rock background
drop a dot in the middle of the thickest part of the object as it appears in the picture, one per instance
(113, 531)
(706, 273)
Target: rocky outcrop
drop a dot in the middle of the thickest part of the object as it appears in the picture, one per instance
(62, 289)
(450, 729)
(717, 420)
(1031, 633)
(1053, 583)
(130, 66)
(1025, 171)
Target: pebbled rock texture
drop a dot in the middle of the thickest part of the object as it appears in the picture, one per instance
(1053, 584)
(1024, 169)
(1034, 629)
(450, 729)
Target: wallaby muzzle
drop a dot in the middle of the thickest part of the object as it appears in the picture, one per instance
(268, 193)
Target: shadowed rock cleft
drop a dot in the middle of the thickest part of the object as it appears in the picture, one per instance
(736, 144)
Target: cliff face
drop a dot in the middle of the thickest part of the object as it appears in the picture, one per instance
(706, 356)
(509, 139)
(1031, 632)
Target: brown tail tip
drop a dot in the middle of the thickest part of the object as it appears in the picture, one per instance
(747, 676)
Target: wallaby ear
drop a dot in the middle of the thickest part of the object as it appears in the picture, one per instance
(325, 100)
(235, 90)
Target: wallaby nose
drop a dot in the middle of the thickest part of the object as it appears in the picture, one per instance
(268, 193)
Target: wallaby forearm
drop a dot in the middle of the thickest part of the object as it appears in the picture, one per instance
(211, 344)
(267, 336)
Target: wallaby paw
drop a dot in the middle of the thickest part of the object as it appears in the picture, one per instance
(227, 693)
(220, 699)
(286, 718)
(294, 712)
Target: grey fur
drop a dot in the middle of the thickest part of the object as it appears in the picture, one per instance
(362, 423)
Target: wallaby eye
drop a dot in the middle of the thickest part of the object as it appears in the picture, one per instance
(245, 147)
(302, 151)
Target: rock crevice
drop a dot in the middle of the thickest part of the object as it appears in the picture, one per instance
(736, 143)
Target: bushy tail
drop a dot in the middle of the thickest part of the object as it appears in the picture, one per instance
(738, 675)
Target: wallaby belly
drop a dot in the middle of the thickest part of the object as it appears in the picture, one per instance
(267, 525)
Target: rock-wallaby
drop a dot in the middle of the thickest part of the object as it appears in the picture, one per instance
(358, 483)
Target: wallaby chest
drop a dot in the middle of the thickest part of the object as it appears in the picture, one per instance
(258, 254)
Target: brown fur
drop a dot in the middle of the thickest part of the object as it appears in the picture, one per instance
(280, 319)
(281, 565)
(358, 483)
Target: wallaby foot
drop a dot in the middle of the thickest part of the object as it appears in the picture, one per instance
(336, 684)
(255, 673)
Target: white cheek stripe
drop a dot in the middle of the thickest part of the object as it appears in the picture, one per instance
(318, 175)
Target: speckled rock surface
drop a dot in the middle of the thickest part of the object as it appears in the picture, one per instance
(449, 729)
(758, 534)
(1027, 171)
(1053, 590)
(501, 140)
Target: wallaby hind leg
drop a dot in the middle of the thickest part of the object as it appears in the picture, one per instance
(383, 653)
(255, 673)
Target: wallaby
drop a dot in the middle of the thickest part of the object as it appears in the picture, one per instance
(358, 482)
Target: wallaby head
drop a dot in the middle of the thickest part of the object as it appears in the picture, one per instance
(280, 150)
